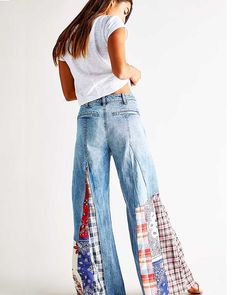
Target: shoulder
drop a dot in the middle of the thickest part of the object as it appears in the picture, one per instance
(113, 22)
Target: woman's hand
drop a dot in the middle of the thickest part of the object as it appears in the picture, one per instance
(136, 76)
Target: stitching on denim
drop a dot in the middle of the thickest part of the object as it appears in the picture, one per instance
(96, 102)
(130, 111)
(83, 127)
(105, 120)
(130, 145)
(140, 169)
(85, 140)
(91, 113)
(130, 152)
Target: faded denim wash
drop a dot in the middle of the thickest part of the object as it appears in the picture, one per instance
(112, 126)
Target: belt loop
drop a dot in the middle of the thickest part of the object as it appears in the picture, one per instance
(103, 100)
(124, 99)
(88, 104)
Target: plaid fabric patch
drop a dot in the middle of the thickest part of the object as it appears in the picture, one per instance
(154, 242)
(150, 257)
(87, 268)
(99, 285)
(163, 267)
(178, 273)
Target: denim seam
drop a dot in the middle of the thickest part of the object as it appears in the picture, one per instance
(96, 103)
(85, 140)
(84, 128)
(130, 145)
(139, 168)
(135, 156)
(105, 121)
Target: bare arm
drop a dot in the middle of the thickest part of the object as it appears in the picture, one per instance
(116, 50)
(120, 67)
(67, 81)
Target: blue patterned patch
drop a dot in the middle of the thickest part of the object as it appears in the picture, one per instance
(161, 278)
(85, 267)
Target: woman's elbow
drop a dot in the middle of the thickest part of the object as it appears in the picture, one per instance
(120, 72)
(70, 96)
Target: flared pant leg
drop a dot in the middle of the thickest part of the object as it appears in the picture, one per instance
(95, 265)
(157, 251)
(112, 126)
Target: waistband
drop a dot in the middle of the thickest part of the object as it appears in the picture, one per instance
(111, 97)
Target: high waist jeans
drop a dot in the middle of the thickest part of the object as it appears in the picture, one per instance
(112, 126)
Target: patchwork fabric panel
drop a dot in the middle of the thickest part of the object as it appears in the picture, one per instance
(154, 242)
(179, 276)
(163, 267)
(76, 276)
(99, 285)
(150, 258)
(87, 264)
(164, 270)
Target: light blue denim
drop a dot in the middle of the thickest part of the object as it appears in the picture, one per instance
(112, 126)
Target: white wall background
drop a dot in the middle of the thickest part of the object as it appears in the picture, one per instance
(180, 48)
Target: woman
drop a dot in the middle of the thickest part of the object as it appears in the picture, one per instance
(94, 71)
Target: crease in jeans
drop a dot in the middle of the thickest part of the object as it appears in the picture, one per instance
(135, 158)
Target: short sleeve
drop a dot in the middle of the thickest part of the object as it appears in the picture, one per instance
(114, 22)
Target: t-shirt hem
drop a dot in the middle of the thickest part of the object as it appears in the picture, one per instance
(88, 98)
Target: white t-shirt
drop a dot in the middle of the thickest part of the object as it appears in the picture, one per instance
(93, 77)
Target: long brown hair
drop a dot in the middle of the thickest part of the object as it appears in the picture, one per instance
(76, 34)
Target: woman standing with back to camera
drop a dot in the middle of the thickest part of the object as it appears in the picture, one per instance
(94, 71)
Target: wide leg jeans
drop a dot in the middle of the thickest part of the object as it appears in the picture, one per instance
(112, 126)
